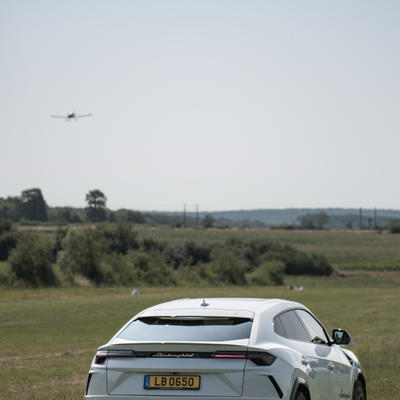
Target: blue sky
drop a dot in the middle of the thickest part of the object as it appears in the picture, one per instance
(225, 104)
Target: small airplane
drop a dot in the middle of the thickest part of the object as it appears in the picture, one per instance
(71, 115)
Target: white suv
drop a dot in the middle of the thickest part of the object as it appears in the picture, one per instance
(255, 349)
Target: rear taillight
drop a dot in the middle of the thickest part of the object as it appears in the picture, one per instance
(258, 358)
(261, 358)
(102, 355)
(229, 355)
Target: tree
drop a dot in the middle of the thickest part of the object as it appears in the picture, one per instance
(33, 206)
(30, 261)
(10, 208)
(314, 221)
(118, 238)
(96, 210)
(268, 273)
(64, 214)
(83, 253)
(8, 238)
(208, 221)
(129, 215)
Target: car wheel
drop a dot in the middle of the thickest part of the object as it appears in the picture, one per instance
(359, 391)
(300, 395)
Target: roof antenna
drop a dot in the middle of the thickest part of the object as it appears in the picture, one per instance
(204, 303)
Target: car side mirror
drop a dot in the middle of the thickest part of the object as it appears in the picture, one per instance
(342, 338)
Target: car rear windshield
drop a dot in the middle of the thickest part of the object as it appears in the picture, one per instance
(188, 329)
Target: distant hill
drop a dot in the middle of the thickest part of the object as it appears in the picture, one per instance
(338, 217)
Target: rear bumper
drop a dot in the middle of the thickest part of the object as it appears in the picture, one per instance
(124, 397)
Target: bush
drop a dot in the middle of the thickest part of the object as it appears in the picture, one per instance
(82, 254)
(296, 262)
(30, 261)
(5, 225)
(150, 244)
(197, 253)
(268, 273)
(123, 270)
(57, 246)
(8, 241)
(118, 238)
(152, 269)
(7, 277)
(129, 216)
(8, 238)
(175, 255)
(228, 268)
(303, 264)
(257, 250)
(394, 226)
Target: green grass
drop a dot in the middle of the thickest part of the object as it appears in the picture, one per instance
(48, 336)
(345, 250)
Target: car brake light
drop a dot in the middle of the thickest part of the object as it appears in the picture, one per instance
(102, 355)
(261, 358)
(229, 355)
(258, 358)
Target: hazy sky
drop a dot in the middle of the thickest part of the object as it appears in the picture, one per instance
(228, 104)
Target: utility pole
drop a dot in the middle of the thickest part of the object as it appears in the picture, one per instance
(360, 217)
(184, 215)
(197, 215)
(375, 226)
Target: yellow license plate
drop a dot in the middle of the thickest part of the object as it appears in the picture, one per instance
(181, 382)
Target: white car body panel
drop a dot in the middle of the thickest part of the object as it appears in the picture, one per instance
(326, 370)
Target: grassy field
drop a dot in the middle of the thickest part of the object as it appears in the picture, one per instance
(48, 336)
(345, 250)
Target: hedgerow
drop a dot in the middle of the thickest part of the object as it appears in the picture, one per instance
(112, 254)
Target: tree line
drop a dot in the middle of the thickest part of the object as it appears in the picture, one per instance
(113, 254)
(31, 208)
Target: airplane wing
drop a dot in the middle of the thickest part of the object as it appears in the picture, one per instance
(83, 115)
(58, 116)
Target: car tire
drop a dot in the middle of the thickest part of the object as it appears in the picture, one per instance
(359, 391)
(300, 395)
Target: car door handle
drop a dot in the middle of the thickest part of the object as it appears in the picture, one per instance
(331, 367)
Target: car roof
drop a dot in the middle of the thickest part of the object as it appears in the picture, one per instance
(229, 307)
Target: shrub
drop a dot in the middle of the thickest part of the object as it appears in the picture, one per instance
(196, 252)
(82, 254)
(152, 269)
(60, 235)
(7, 277)
(296, 262)
(394, 226)
(30, 261)
(118, 238)
(5, 225)
(175, 255)
(123, 270)
(129, 215)
(151, 244)
(8, 241)
(228, 268)
(268, 273)
(256, 251)
(8, 238)
(303, 264)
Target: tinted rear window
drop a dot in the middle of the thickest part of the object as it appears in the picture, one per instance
(292, 327)
(187, 329)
